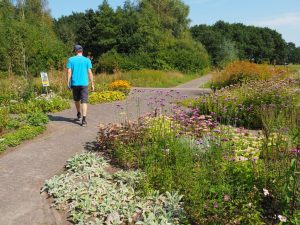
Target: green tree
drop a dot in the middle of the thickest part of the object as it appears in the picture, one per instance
(251, 43)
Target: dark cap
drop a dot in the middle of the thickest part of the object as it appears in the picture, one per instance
(78, 48)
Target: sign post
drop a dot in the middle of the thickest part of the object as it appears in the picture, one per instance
(45, 81)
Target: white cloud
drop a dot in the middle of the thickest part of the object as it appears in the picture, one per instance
(291, 20)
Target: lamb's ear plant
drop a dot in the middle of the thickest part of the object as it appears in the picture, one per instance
(92, 196)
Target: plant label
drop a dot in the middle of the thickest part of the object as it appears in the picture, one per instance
(45, 80)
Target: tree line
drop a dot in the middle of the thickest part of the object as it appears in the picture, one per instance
(153, 34)
(147, 34)
(225, 42)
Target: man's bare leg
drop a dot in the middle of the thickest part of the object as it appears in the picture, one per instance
(84, 109)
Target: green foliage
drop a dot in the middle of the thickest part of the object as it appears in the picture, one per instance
(225, 42)
(16, 137)
(106, 96)
(4, 119)
(94, 196)
(37, 118)
(142, 35)
(28, 42)
(42, 103)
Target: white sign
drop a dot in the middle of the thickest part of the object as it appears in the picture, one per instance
(45, 80)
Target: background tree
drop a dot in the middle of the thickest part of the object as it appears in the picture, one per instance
(251, 43)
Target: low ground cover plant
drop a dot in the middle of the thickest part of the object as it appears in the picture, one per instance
(243, 71)
(93, 196)
(243, 104)
(106, 96)
(226, 175)
(15, 137)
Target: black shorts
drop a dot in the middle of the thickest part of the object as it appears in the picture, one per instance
(80, 93)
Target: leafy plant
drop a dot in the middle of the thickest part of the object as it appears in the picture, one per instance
(106, 96)
(37, 118)
(42, 103)
(94, 196)
(24, 133)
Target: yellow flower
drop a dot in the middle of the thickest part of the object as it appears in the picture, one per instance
(120, 85)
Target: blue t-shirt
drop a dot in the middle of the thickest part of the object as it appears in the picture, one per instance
(79, 66)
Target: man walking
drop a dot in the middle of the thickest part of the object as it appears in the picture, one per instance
(79, 73)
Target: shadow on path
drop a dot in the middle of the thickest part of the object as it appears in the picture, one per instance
(63, 119)
(91, 146)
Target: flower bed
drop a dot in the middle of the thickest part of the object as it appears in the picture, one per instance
(226, 175)
(245, 104)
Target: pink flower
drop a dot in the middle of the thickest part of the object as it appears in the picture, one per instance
(226, 198)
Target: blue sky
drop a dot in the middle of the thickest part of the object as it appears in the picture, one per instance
(283, 16)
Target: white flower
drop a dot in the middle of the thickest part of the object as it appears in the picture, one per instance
(282, 218)
(266, 192)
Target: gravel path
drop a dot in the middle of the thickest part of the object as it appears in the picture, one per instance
(197, 82)
(23, 170)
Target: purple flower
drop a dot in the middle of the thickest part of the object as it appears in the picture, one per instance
(254, 159)
(296, 150)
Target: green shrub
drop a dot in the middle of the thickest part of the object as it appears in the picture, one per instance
(184, 56)
(106, 96)
(13, 124)
(179, 55)
(43, 103)
(37, 118)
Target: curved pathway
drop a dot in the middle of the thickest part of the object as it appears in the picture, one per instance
(24, 169)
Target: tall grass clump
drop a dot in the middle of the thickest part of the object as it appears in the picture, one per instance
(244, 71)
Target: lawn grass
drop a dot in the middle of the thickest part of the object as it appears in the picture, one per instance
(148, 78)
(295, 69)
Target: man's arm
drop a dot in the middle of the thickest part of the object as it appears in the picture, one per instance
(69, 72)
(91, 76)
